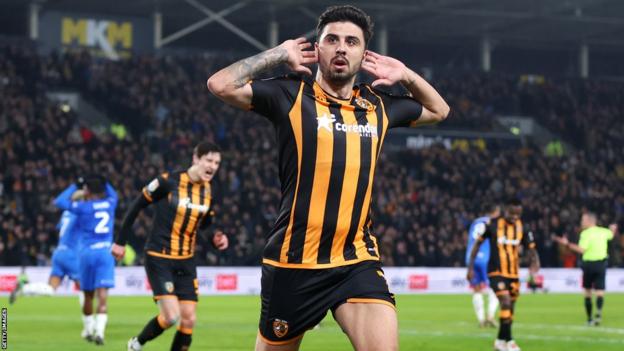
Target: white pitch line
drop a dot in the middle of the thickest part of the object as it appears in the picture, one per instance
(484, 335)
(522, 336)
(599, 329)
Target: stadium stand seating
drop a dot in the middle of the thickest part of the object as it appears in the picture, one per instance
(423, 199)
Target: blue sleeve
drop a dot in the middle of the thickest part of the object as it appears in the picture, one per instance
(63, 201)
(111, 194)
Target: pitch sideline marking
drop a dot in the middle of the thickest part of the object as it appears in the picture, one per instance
(606, 330)
(523, 336)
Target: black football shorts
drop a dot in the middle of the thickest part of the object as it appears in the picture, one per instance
(169, 277)
(295, 300)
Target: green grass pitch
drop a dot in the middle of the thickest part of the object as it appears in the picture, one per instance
(548, 322)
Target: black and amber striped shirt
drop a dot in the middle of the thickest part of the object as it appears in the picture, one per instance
(505, 240)
(328, 149)
(181, 206)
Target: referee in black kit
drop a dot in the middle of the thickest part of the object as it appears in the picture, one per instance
(593, 246)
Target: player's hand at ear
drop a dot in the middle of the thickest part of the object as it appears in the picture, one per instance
(385, 69)
(220, 240)
(299, 55)
(118, 251)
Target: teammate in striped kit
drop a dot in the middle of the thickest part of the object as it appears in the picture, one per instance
(182, 201)
(506, 235)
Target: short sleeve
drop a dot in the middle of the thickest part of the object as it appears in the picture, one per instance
(207, 220)
(157, 189)
(274, 97)
(529, 240)
(608, 234)
(485, 231)
(479, 231)
(401, 110)
(584, 240)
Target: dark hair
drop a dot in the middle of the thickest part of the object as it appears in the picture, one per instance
(346, 13)
(96, 185)
(513, 201)
(488, 207)
(204, 148)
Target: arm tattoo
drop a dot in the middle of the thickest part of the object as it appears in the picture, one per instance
(246, 69)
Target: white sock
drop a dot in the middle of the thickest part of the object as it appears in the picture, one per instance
(88, 322)
(100, 324)
(81, 298)
(492, 304)
(477, 303)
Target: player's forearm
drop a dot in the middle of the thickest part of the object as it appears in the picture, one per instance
(534, 260)
(63, 201)
(207, 221)
(426, 94)
(575, 248)
(133, 212)
(240, 73)
(110, 192)
(473, 255)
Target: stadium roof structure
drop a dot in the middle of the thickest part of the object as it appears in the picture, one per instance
(522, 23)
(555, 37)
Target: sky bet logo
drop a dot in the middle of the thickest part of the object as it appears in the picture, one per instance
(106, 36)
(398, 283)
(328, 123)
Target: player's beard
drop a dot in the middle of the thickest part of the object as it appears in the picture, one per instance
(338, 78)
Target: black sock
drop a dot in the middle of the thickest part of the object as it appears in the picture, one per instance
(181, 341)
(504, 330)
(599, 303)
(151, 330)
(588, 308)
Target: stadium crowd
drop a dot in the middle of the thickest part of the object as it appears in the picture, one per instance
(424, 199)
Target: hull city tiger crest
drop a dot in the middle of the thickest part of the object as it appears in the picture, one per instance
(280, 328)
(365, 104)
(169, 287)
(501, 285)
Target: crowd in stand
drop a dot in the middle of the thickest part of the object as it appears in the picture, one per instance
(423, 200)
